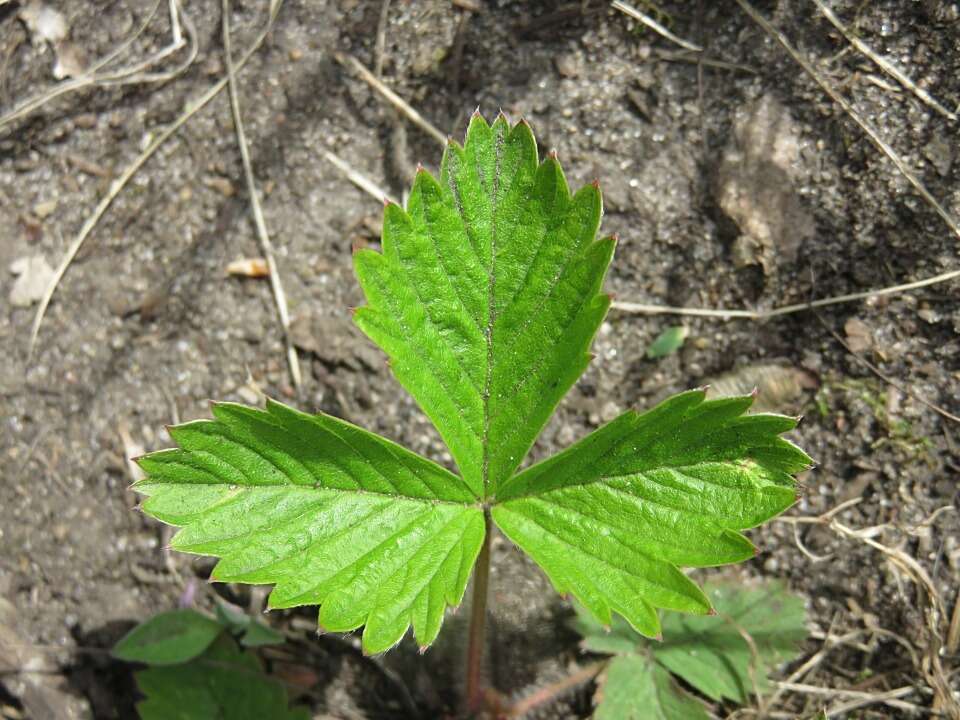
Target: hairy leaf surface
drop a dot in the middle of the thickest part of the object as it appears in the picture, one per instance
(331, 514)
(487, 294)
(612, 518)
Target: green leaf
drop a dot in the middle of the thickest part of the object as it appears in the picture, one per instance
(331, 514)
(252, 633)
(612, 518)
(634, 688)
(713, 655)
(222, 683)
(167, 638)
(667, 342)
(487, 295)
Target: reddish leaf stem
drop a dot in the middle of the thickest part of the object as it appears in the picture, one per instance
(478, 619)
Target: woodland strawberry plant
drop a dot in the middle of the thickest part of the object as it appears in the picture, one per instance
(485, 297)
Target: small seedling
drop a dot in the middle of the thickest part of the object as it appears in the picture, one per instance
(486, 297)
(728, 657)
(197, 670)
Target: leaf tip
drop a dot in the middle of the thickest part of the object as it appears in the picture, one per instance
(658, 637)
(423, 649)
(476, 114)
(553, 154)
(713, 611)
(755, 392)
(596, 183)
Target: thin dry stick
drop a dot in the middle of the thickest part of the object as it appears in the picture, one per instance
(128, 75)
(655, 26)
(884, 64)
(279, 296)
(726, 314)
(117, 186)
(358, 178)
(398, 102)
(887, 698)
(380, 47)
(848, 108)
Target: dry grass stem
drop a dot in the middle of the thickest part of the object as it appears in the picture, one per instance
(731, 313)
(380, 47)
(351, 63)
(358, 178)
(881, 62)
(118, 185)
(279, 296)
(655, 26)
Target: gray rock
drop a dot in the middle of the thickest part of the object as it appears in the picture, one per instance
(756, 187)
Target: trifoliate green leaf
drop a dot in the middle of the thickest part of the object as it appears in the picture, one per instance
(487, 295)
(713, 655)
(612, 518)
(669, 341)
(634, 688)
(167, 638)
(726, 656)
(333, 515)
(221, 683)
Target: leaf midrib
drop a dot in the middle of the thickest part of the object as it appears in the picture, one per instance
(491, 315)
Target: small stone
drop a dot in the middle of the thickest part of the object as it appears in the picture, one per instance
(568, 64)
(43, 210)
(34, 275)
(859, 335)
(221, 184)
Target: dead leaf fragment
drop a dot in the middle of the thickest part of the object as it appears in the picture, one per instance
(34, 275)
(778, 387)
(249, 267)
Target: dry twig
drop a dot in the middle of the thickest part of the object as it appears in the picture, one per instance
(358, 178)
(655, 26)
(279, 296)
(398, 102)
(731, 313)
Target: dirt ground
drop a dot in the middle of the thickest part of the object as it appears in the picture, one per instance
(734, 183)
